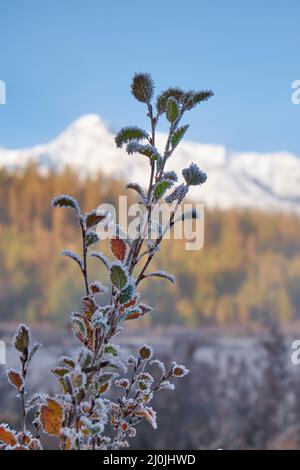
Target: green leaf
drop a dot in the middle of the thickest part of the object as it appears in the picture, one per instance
(118, 275)
(161, 188)
(172, 109)
(178, 135)
(111, 349)
(127, 293)
(128, 134)
(161, 103)
(22, 338)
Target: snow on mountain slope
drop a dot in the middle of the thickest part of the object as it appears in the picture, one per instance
(264, 181)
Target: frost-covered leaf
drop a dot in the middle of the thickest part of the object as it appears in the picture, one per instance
(127, 293)
(145, 352)
(161, 187)
(51, 416)
(91, 238)
(35, 400)
(60, 371)
(178, 135)
(159, 163)
(118, 248)
(149, 415)
(101, 257)
(170, 175)
(22, 338)
(112, 349)
(162, 99)
(172, 109)
(97, 288)
(146, 150)
(7, 435)
(67, 361)
(95, 217)
(192, 98)
(86, 357)
(89, 306)
(162, 274)
(193, 175)
(178, 194)
(64, 200)
(99, 320)
(132, 313)
(122, 383)
(102, 382)
(145, 308)
(129, 133)
(118, 275)
(178, 370)
(138, 188)
(66, 384)
(79, 329)
(15, 379)
(130, 309)
(142, 87)
(167, 385)
(136, 312)
(73, 256)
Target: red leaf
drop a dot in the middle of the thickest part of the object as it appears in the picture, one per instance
(118, 247)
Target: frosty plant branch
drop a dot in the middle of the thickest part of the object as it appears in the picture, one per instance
(84, 415)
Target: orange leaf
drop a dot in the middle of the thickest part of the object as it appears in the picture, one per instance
(118, 247)
(51, 416)
(131, 303)
(7, 435)
(15, 379)
(134, 316)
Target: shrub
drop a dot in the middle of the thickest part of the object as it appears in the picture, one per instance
(82, 416)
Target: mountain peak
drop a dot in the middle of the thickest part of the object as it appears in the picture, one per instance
(88, 120)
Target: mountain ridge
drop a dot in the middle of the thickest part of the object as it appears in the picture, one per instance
(266, 181)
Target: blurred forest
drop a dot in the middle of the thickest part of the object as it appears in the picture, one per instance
(249, 267)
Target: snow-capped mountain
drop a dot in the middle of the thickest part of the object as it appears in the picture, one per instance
(264, 181)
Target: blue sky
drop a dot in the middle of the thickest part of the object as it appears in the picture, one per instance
(64, 58)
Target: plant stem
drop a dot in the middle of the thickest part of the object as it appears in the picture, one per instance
(22, 392)
(84, 270)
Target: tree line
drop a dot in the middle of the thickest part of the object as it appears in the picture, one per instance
(248, 269)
